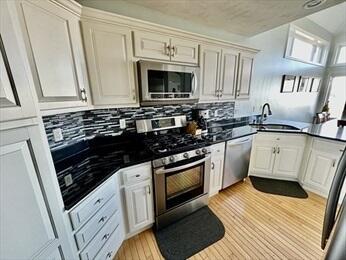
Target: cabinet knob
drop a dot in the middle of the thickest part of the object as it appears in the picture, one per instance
(168, 50)
(274, 149)
(212, 166)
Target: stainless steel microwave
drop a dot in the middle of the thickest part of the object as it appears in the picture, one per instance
(167, 83)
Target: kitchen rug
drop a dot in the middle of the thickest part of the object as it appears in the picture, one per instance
(279, 187)
(189, 235)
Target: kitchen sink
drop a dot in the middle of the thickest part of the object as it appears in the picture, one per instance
(275, 127)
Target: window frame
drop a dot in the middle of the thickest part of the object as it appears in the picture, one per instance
(337, 52)
(315, 42)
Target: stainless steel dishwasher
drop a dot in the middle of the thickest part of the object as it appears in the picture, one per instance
(237, 160)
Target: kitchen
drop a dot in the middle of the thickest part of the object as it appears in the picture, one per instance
(132, 130)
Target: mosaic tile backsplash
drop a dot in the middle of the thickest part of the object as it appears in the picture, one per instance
(102, 122)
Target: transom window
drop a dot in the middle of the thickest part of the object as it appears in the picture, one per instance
(306, 47)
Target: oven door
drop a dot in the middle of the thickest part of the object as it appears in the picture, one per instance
(181, 182)
(164, 82)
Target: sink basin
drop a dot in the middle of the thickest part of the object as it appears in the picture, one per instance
(275, 127)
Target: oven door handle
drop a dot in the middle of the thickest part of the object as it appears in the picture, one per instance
(179, 168)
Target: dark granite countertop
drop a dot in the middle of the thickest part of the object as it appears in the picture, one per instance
(328, 130)
(228, 132)
(91, 162)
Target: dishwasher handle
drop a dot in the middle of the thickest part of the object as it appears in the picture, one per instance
(239, 143)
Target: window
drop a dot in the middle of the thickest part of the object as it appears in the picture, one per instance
(306, 47)
(341, 55)
(337, 96)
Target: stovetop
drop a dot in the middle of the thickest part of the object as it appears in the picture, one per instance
(164, 144)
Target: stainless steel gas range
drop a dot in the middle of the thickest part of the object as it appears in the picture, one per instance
(181, 170)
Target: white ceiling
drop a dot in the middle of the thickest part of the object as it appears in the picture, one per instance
(332, 19)
(243, 17)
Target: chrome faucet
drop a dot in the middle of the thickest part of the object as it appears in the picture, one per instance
(262, 114)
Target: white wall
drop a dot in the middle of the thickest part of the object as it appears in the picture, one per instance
(270, 65)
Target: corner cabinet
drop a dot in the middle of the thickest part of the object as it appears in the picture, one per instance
(108, 50)
(53, 45)
(322, 163)
(277, 155)
(225, 73)
(163, 47)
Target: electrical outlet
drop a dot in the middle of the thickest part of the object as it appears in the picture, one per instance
(122, 123)
(57, 134)
(68, 180)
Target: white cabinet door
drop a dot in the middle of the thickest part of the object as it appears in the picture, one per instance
(288, 159)
(139, 202)
(25, 225)
(109, 58)
(262, 158)
(151, 45)
(210, 70)
(216, 175)
(16, 100)
(53, 44)
(245, 75)
(229, 73)
(217, 166)
(184, 51)
(320, 171)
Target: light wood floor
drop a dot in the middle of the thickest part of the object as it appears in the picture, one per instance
(258, 226)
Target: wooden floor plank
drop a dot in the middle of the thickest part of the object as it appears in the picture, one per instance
(257, 225)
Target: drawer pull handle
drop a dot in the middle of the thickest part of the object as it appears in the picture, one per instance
(138, 175)
(109, 255)
(278, 149)
(274, 150)
(98, 201)
(103, 219)
(106, 236)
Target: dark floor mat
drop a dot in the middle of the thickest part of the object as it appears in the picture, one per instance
(189, 235)
(279, 187)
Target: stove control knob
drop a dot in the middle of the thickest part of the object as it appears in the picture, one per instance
(204, 150)
(186, 155)
(198, 151)
(163, 160)
(171, 158)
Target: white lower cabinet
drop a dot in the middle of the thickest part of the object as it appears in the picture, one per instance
(322, 164)
(217, 165)
(277, 155)
(137, 191)
(139, 202)
(97, 219)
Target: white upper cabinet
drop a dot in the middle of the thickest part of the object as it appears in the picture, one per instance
(163, 47)
(229, 72)
(184, 51)
(225, 73)
(53, 44)
(151, 45)
(111, 69)
(210, 70)
(16, 100)
(246, 61)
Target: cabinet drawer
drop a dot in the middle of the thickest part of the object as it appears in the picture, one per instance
(84, 235)
(101, 238)
(218, 149)
(109, 250)
(92, 203)
(136, 174)
(328, 146)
